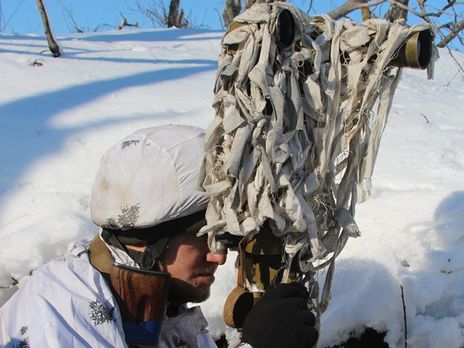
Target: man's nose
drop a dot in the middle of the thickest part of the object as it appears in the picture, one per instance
(217, 258)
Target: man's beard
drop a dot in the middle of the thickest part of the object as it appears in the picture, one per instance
(183, 292)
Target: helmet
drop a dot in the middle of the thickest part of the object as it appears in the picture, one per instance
(149, 178)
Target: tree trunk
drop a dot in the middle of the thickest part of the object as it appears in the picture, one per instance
(232, 9)
(176, 16)
(52, 45)
(396, 12)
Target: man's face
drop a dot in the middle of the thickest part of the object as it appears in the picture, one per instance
(191, 265)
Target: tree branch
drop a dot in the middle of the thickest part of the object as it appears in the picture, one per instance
(352, 5)
(403, 7)
(454, 32)
(424, 12)
(440, 12)
(461, 69)
(310, 6)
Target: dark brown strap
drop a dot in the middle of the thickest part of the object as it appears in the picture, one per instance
(100, 256)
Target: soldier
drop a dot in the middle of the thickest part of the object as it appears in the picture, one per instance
(129, 286)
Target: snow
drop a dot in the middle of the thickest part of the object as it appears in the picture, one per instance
(58, 116)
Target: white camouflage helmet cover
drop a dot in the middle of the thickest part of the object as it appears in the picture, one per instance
(149, 177)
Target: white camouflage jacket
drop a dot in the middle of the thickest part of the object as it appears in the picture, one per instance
(67, 303)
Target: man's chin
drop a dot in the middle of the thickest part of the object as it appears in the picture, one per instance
(182, 292)
(200, 296)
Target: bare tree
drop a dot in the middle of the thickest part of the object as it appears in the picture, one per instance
(70, 18)
(175, 16)
(231, 10)
(153, 11)
(397, 10)
(52, 45)
(159, 15)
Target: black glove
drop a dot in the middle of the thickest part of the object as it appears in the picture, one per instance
(281, 318)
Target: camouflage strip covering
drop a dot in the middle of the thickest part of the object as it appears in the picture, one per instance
(297, 129)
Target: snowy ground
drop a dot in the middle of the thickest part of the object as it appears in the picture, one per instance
(57, 117)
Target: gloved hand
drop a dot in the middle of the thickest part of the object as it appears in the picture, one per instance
(281, 318)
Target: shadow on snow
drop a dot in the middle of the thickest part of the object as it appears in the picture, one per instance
(24, 121)
(135, 35)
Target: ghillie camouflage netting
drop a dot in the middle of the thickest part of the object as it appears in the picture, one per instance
(297, 129)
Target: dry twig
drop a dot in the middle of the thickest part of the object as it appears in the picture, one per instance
(404, 319)
(424, 116)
